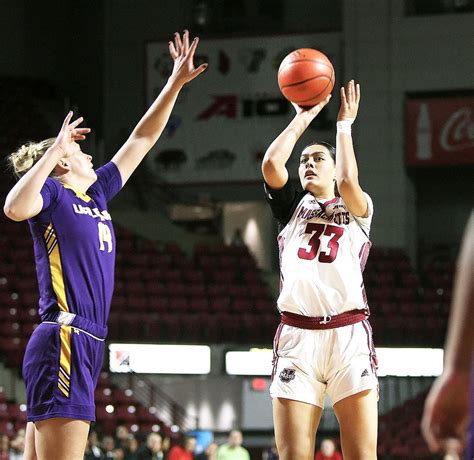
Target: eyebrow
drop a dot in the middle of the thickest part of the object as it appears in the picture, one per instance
(313, 153)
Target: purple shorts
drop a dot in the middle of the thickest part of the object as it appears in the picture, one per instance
(61, 368)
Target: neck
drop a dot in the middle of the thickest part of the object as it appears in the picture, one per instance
(327, 194)
(77, 183)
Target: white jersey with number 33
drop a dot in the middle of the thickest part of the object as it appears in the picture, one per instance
(323, 250)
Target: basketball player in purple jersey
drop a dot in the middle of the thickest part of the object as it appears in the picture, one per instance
(65, 203)
(324, 342)
(446, 415)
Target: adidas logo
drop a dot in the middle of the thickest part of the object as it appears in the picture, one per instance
(365, 373)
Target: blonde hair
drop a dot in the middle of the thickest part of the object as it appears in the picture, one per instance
(27, 155)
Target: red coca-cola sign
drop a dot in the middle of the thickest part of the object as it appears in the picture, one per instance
(440, 131)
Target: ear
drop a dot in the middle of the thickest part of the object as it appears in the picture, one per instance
(62, 167)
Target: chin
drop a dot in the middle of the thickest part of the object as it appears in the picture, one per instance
(310, 185)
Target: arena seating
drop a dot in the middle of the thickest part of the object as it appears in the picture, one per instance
(399, 432)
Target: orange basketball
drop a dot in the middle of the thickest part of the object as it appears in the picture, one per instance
(306, 77)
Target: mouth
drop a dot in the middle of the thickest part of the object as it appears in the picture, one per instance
(310, 173)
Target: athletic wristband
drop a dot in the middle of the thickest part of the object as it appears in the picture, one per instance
(344, 126)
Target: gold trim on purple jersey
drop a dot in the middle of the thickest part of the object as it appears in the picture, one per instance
(64, 376)
(52, 247)
(78, 193)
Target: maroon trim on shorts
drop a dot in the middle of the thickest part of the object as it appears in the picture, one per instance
(324, 322)
(276, 342)
(370, 345)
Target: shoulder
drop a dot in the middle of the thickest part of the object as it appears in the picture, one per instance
(284, 201)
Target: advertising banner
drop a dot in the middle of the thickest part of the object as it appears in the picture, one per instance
(440, 131)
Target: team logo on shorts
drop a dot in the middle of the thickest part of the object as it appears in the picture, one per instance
(287, 375)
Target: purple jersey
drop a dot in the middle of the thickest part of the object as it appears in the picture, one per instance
(74, 246)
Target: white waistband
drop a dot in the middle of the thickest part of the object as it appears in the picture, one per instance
(74, 327)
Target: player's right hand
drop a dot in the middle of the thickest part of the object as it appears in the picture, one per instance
(311, 112)
(69, 134)
(182, 53)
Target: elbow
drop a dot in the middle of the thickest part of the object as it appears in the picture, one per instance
(268, 168)
(269, 165)
(13, 213)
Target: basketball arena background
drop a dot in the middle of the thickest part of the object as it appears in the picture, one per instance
(197, 257)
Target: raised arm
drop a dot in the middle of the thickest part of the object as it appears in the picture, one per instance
(24, 199)
(347, 174)
(274, 162)
(150, 127)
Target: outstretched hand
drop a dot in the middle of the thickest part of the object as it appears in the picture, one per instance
(350, 98)
(69, 134)
(183, 53)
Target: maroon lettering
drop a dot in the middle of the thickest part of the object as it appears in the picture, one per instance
(314, 242)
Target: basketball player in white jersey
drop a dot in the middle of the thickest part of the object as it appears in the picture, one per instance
(324, 342)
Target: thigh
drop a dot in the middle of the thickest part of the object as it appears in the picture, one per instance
(353, 363)
(61, 439)
(295, 428)
(357, 416)
(296, 372)
(29, 453)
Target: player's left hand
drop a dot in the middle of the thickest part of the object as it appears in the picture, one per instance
(183, 53)
(350, 98)
(446, 416)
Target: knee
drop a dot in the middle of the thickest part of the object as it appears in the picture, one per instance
(366, 452)
(294, 453)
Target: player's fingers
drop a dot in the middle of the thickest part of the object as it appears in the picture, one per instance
(192, 48)
(430, 428)
(76, 122)
(318, 107)
(357, 93)
(185, 41)
(178, 43)
(199, 70)
(350, 91)
(343, 95)
(82, 130)
(173, 52)
(68, 118)
(328, 98)
(431, 439)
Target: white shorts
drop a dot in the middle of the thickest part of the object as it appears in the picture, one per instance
(309, 363)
